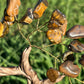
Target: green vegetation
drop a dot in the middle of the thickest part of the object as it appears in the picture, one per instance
(13, 44)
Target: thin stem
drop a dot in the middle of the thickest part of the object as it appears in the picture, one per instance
(64, 45)
(28, 81)
(64, 39)
(35, 45)
(38, 23)
(55, 63)
(23, 34)
(46, 52)
(49, 45)
(37, 29)
(70, 80)
(79, 80)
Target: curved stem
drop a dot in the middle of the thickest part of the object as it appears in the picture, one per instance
(37, 23)
(37, 29)
(55, 63)
(10, 71)
(35, 45)
(70, 80)
(23, 34)
(79, 80)
(46, 52)
(49, 45)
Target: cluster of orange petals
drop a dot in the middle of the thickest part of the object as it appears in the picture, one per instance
(57, 27)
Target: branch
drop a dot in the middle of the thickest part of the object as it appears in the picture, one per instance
(26, 70)
(47, 81)
(10, 71)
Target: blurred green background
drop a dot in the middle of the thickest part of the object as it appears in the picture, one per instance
(13, 44)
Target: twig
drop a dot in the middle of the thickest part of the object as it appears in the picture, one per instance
(79, 80)
(46, 52)
(10, 71)
(55, 63)
(49, 45)
(70, 80)
(37, 23)
(23, 34)
(35, 45)
(37, 29)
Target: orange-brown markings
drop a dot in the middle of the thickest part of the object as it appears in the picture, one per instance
(54, 35)
(58, 21)
(76, 46)
(69, 69)
(13, 7)
(53, 74)
(9, 18)
(76, 32)
(3, 29)
(40, 8)
(28, 17)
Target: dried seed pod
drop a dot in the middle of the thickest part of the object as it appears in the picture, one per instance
(13, 7)
(3, 29)
(53, 24)
(76, 46)
(76, 32)
(63, 28)
(68, 56)
(69, 69)
(9, 18)
(8, 23)
(58, 16)
(40, 8)
(54, 35)
(81, 61)
(28, 17)
(53, 74)
(58, 20)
